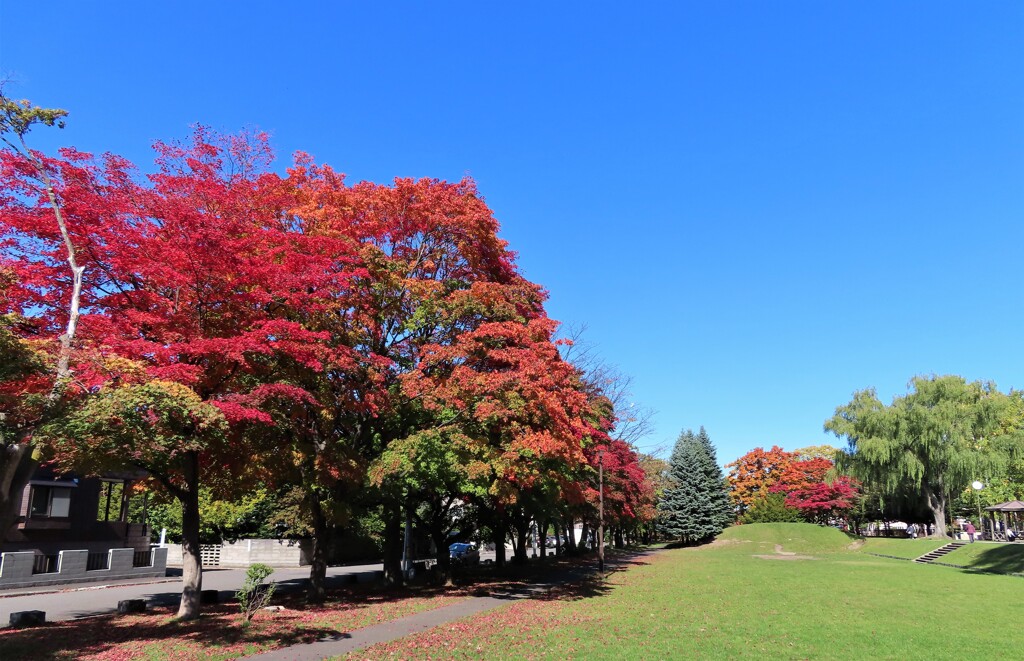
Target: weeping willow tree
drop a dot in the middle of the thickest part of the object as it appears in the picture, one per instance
(929, 443)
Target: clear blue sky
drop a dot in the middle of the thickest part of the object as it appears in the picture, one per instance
(756, 208)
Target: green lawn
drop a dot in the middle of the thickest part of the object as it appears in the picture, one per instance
(722, 602)
(984, 556)
(902, 548)
(987, 556)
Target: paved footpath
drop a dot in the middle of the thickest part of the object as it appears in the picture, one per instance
(344, 643)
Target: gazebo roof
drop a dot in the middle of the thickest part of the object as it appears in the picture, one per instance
(1011, 506)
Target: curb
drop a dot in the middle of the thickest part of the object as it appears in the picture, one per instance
(27, 592)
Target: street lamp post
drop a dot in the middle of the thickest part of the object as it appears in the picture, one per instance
(978, 486)
(600, 510)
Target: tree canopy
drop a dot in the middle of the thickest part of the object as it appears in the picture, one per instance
(930, 443)
(359, 345)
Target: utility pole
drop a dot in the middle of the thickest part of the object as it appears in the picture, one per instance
(600, 510)
(406, 560)
(978, 486)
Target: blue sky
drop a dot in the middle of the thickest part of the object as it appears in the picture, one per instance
(755, 208)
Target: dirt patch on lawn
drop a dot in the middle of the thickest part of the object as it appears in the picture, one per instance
(856, 545)
(786, 556)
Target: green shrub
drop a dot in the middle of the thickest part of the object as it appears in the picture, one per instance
(255, 594)
(771, 509)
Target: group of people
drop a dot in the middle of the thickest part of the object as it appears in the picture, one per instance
(913, 530)
(968, 527)
(1000, 531)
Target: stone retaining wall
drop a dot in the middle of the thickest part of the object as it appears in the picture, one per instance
(246, 552)
(16, 568)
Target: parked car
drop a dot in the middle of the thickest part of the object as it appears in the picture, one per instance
(462, 553)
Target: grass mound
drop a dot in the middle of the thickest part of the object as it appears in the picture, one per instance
(792, 537)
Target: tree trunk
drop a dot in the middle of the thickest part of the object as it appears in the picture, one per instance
(570, 537)
(315, 592)
(585, 538)
(542, 539)
(191, 564)
(498, 538)
(393, 542)
(17, 463)
(937, 504)
(619, 543)
(443, 568)
(522, 532)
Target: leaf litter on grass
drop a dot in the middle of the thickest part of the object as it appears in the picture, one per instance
(218, 634)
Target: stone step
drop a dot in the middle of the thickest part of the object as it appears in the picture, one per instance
(931, 556)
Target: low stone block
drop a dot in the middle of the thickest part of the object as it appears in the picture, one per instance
(126, 606)
(120, 561)
(209, 597)
(16, 567)
(22, 619)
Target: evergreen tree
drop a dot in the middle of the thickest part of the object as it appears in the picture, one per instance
(696, 506)
(723, 513)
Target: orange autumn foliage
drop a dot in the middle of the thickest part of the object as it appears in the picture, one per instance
(752, 475)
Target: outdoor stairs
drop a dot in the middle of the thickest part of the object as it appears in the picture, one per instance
(939, 552)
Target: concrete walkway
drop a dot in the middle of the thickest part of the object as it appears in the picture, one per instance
(344, 643)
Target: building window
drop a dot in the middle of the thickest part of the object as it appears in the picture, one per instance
(112, 497)
(50, 502)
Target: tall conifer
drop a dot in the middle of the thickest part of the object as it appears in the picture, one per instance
(696, 506)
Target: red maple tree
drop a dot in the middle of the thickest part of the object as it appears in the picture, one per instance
(808, 489)
(189, 276)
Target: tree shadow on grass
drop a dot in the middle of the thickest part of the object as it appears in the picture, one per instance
(677, 544)
(570, 580)
(1003, 559)
(219, 631)
(156, 634)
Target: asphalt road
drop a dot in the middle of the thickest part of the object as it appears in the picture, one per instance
(86, 600)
